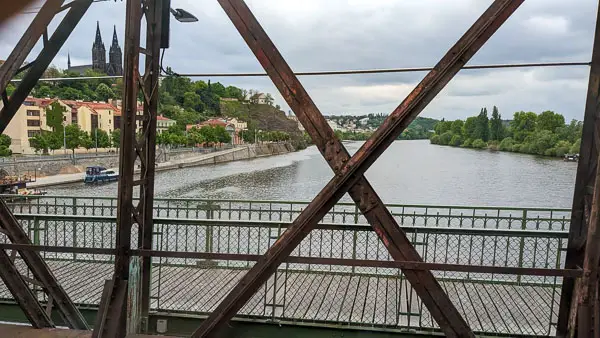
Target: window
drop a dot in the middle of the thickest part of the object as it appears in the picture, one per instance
(33, 123)
(33, 113)
(32, 133)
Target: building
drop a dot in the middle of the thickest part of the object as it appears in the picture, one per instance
(259, 98)
(106, 113)
(233, 126)
(113, 67)
(163, 123)
(293, 117)
(30, 119)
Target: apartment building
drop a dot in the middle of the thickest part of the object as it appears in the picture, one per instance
(30, 119)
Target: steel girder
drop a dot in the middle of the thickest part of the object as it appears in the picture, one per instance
(117, 319)
(76, 10)
(584, 188)
(10, 226)
(349, 170)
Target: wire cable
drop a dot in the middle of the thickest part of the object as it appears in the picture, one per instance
(335, 72)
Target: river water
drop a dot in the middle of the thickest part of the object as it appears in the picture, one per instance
(409, 172)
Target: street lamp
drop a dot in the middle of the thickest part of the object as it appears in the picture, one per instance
(182, 15)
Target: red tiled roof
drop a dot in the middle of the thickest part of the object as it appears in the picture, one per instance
(100, 105)
(162, 118)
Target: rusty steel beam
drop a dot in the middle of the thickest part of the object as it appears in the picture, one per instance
(41, 271)
(584, 183)
(351, 172)
(31, 36)
(115, 322)
(23, 295)
(146, 201)
(587, 320)
(58, 38)
(132, 149)
(363, 194)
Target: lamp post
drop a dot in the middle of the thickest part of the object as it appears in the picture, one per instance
(96, 136)
(65, 138)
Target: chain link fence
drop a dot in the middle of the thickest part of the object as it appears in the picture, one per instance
(230, 235)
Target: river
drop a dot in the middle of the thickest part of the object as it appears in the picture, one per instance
(410, 172)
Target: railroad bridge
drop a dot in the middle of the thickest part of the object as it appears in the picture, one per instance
(136, 265)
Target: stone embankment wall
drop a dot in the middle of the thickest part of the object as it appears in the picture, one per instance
(49, 166)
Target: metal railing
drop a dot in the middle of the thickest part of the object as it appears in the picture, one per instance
(228, 235)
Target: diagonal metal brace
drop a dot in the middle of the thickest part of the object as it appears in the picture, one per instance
(26, 299)
(31, 36)
(351, 172)
(41, 271)
(336, 155)
(58, 38)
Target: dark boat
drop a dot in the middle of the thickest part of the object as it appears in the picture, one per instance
(571, 158)
(98, 174)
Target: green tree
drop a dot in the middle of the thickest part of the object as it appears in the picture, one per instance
(101, 138)
(195, 136)
(39, 143)
(561, 148)
(445, 138)
(115, 138)
(54, 116)
(469, 127)
(104, 92)
(479, 144)
(549, 121)
(442, 127)
(457, 127)
(482, 130)
(86, 140)
(55, 140)
(496, 129)
(507, 144)
(193, 101)
(575, 147)
(5, 140)
(523, 124)
(74, 137)
(222, 135)
(435, 139)
(456, 140)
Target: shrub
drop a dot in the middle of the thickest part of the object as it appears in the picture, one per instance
(479, 144)
(575, 147)
(456, 141)
(507, 144)
(445, 138)
(467, 143)
(435, 139)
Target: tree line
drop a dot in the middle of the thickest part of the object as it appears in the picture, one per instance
(541, 134)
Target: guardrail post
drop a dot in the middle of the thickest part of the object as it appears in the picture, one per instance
(522, 244)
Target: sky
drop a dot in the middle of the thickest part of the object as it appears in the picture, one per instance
(316, 35)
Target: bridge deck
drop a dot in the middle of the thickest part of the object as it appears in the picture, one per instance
(327, 297)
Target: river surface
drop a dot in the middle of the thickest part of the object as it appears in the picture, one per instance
(409, 172)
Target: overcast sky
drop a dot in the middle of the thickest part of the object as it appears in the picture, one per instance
(359, 34)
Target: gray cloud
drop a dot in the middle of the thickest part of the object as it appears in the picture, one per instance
(359, 34)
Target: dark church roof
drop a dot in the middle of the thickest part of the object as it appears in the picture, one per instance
(80, 69)
(114, 66)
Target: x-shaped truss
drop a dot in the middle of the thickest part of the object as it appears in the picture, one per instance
(350, 170)
(42, 275)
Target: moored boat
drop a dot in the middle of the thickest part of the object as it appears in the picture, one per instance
(98, 174)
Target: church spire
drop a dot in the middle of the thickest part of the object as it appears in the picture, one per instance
(115, 41)
(68, 60)
(98, 40)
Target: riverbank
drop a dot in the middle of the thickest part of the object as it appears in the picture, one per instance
(228, 155)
